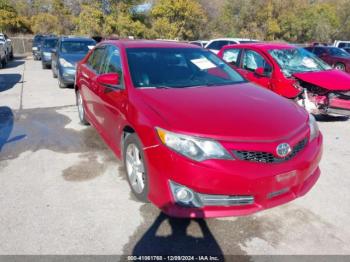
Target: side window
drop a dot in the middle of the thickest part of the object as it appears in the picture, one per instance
(252, 60)
(112, 63)
(231, 56)
(95, 60)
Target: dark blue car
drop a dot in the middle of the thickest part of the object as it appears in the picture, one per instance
(47, 46)
(69, 51)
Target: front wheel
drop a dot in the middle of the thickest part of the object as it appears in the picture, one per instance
(134, 162)
(60, 83)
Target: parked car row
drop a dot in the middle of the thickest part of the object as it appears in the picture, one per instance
(61, 54)
(201, 134)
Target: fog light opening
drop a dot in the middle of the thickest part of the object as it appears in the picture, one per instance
(183, 195)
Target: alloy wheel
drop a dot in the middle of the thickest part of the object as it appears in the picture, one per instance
(135, 168)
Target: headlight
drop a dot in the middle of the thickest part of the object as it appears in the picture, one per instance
(34, 48)
(313, 127)
(192, 147)
(65, 63)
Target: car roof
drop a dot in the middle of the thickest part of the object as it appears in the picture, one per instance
(75, 38)
(149, 44)
(232, 39)
(50, 38)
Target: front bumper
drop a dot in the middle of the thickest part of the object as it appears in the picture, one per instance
(232, 178)
(339, 106)
(67, 75)
(36, 53)
(45, 59)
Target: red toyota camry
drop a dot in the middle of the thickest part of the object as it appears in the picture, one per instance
(196, 138)
(294, 73)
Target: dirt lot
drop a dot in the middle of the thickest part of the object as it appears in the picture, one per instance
(63, 192)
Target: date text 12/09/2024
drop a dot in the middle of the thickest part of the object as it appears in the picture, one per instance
(173, 258)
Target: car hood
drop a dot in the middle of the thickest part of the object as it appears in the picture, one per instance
(234, 112)
(73, 58)
(332, 80)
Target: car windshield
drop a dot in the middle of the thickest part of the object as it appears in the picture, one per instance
(297, 60)
(37, 39)
(338, 52)
(50, 43)
(178, 68)
(76, 47)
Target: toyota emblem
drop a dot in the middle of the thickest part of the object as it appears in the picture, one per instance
(283, 150)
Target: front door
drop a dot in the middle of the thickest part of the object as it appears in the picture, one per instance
(252, 60)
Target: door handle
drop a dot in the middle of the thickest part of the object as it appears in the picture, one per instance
(85, 75)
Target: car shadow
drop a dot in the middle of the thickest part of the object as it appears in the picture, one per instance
(15, 62)
(8, 81)
(179, 242)
(328, 118)
(6, 127)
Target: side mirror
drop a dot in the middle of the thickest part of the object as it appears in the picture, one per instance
(260, 71)
(109, 81)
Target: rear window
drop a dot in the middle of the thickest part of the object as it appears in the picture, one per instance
(217, 45)
(50, 43)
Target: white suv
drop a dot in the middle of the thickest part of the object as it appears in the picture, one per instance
(8, 45)
(215, 45)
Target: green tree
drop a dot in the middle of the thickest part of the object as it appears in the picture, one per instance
(90, 20)
(181, 19)
(44, 23)
(9, 19)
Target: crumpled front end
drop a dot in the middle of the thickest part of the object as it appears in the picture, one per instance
(318, 100)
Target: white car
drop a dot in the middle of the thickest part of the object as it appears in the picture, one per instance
(215, 45)
(201, 43)
(8, 45)
(3, 58)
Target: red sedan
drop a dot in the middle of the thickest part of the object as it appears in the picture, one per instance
(196, 138)
(294, 73)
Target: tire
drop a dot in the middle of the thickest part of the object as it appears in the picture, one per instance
(44, 66)
(11, 55)
(54, 75)
(339, 66)
(4, 62)
(81, 109)
(135, 167)
(60, 84)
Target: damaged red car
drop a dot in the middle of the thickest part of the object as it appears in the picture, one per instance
(196, 138)
(294, 73)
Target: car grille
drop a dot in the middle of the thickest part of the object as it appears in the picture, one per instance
(265, 157)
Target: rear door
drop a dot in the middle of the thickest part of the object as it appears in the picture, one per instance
(251, 60)
(112, 101)
(87, 82)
